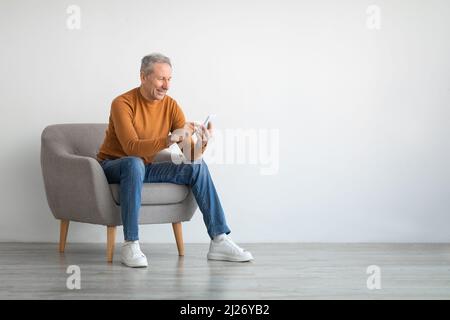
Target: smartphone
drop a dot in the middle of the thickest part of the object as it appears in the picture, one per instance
(208, 119)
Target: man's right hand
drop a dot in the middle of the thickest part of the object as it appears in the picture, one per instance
(173, 138)
(189, 128)
(179, 135)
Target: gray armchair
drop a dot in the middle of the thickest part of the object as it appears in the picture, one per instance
(77, 189)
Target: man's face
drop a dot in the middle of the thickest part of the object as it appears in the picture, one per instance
(156, 83)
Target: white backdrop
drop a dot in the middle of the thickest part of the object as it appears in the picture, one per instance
(360, 104)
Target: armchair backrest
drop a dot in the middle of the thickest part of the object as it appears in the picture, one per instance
(83, 139)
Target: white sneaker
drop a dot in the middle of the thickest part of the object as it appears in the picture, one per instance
(132, 255)
(226, 249)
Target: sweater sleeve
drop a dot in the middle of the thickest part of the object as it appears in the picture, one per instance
(122, 116)
(178, 118)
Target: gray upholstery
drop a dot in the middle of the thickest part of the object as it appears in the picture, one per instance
(156, 193)
(77, 189)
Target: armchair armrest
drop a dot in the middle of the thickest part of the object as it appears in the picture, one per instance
(77, 188)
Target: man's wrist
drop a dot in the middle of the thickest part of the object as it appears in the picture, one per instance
(169, 141)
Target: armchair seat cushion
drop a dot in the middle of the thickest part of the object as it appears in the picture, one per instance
(156, 193)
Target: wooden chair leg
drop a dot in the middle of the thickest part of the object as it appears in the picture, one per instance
(110, 242)
(64, 227)
(178, 232)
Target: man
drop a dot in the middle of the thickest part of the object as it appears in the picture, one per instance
(142, 122)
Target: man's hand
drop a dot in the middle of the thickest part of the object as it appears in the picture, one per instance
(182, 134)
(173, 138)
(189, 128)
(205, 134)
(183, 137)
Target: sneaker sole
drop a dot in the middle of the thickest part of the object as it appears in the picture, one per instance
(134, 265)
(223, 257)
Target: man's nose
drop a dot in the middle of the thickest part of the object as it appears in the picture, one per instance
(166, 85)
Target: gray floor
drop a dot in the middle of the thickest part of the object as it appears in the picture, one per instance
(280, 271)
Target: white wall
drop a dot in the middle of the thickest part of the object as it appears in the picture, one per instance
(363, 115)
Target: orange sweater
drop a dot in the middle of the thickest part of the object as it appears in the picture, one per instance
(138, 127)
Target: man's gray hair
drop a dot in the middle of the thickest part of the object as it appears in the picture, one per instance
(149, 61)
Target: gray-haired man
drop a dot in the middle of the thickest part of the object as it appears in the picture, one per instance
(140, 125)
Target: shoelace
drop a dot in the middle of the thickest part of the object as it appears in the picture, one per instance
(136, 249)
(234, 245)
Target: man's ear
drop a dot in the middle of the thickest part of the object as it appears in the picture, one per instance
(143, 76)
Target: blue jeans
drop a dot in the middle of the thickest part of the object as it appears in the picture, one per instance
(131, 173)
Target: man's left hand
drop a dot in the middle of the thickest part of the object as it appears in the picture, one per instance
(204, 134)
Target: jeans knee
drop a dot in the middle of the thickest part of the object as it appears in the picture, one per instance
(133, 166)
(198, 168)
